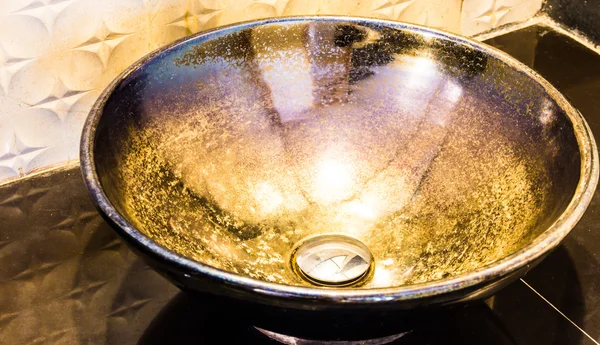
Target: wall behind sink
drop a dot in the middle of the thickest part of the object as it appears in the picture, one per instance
(56, 56)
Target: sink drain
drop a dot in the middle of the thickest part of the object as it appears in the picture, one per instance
(332, 260)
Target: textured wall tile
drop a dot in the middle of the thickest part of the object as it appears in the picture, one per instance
(56, 56)
(519, 10)
(237, 13)
(165, 34)
(443, 14)
(30, 81)
(124, 16)
(27, 147)
(65, 278)
(164, 12)
(32, 41)
(10, 6)
(483, 15)
(122, 52)
(75, 26)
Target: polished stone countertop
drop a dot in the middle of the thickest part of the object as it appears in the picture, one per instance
(66, 278)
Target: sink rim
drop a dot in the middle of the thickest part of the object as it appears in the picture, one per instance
(540, 246)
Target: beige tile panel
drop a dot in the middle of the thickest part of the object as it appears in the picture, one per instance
(484, 15)
(57, 55)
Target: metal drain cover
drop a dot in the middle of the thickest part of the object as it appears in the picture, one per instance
(332, 260)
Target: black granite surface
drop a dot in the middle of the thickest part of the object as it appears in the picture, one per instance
(581, 15)
(65, 277)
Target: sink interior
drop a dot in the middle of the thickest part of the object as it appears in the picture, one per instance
(234, 148)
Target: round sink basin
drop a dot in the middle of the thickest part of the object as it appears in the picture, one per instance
(324, 162)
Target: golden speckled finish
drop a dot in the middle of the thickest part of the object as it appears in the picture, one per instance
(444, 158)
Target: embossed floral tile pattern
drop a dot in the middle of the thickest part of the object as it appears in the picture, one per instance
(65, 277)
(483, 15)
(57, 55)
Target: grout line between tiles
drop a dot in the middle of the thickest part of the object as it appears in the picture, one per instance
(505, 29)
(42, 171)
(560, 312)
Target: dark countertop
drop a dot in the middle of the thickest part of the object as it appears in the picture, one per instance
(66, 278)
